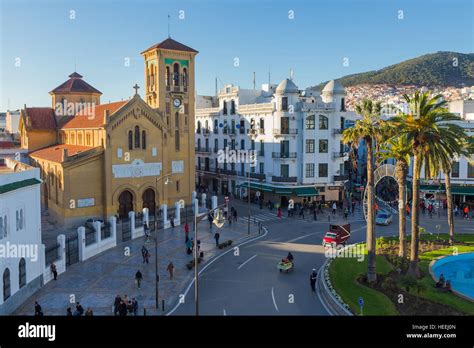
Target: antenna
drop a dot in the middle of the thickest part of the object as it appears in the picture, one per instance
(169, 34)
(269, 79)
(254, 80)
(216, 86)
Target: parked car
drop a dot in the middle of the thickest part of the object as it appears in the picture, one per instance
(337, 234)
(383, 219)
(90, 223)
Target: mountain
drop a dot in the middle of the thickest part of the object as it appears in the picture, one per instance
(435, 69)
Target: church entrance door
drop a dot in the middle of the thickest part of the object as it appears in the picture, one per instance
(125, 204)
(149, 200)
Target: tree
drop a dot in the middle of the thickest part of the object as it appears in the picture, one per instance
(427, 127)
(367, 129)
(397, 147)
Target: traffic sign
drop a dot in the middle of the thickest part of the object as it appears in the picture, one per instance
(257, 193)
(361, 302)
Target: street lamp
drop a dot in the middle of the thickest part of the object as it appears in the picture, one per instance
(219, 221)
(157, 277)
(253, 159)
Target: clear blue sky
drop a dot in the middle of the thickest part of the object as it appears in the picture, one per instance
(259, 33)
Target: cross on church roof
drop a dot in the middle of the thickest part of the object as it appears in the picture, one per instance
(136, 87)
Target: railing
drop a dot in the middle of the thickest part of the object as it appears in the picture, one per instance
(257, 176)
(225, 130)
(232, 132)
(203, 150)
(284, 178)
(228, 171)
(242, 130)
(286, 131)
(341, 177)
(283, 154)
(206, 132)
(216, 130)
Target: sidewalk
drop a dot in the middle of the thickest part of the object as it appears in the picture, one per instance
(96, 282)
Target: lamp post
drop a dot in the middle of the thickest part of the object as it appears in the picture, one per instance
(253, 159)
(219, 221)
(157, 276)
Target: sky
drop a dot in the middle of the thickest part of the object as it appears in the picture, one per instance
(42, 41)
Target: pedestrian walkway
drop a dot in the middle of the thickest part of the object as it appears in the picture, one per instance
(261, 217)
(96, 281)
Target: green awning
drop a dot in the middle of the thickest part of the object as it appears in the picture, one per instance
(283, 190)
(462, 190)
(306, 191)
(18, 185)
(257, 186)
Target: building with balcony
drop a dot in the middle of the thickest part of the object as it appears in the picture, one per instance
(295, 136)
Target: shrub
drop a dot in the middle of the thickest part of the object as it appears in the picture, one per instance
(408, 281)
(420, 287)
(389, 284)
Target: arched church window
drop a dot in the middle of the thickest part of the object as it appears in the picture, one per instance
(143, 140)
(137, 137)
(176, 74)
(323, 122)
(167, 76)
(130, 140)
(185, 77)
(198, 130)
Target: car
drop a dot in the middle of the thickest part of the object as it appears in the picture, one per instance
(383, 219)
(337, 234)
(90, 223)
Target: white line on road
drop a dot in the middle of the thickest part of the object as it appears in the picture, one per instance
(242, 265)
(302, 237)
(274, 302)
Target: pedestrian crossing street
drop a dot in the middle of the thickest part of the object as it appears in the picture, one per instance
(260, 217)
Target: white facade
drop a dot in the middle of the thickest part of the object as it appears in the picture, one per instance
(463, 109)
(12, 121)
(296, 135)
(21, 252)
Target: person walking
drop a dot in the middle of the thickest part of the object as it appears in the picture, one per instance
(346, 213)
(117, 301)
(146, 230)
(38, 310)
(210, 218)
(79, 309)
(186, 232)
(144, 252)
(68, 312)
(334, 208)
(189, 246)
(89, 312)
(123, 309)
(172, 221)
(230, 220)
(54, 271)
(312, 279)
(138, 278)
(135, 306)
(235, 215)
(279, 212)
(466, 212)
(315, 215)
(147, 257)
(216, 237)
(170, 269)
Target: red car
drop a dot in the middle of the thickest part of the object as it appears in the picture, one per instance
(337, 234)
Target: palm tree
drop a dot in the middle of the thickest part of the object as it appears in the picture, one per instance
(427, 128)
(440, 158)
(368, 129)
(397, 147)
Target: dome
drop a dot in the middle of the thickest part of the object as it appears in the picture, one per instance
(334, 87)
(286, 86)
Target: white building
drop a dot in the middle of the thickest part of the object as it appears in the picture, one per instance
(463, 109)
(12, 122)
(296, 135)
(21, 254)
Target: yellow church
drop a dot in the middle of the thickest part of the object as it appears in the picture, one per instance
(98, 160)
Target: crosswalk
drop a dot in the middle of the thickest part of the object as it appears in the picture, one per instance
(260, 217)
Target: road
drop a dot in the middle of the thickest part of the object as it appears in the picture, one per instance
(248, 282)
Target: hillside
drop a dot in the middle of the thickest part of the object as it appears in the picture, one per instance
(434, 69)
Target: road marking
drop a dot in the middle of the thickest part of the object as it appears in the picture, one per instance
(210, 263)
(306, 235)
(225, 312)
(242, 265)
(274, 302)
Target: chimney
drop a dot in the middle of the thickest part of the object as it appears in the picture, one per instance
(64, 155)
(106, 116)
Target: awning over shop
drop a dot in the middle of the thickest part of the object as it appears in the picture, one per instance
(282, 190)
(257, 186)
(467, 190)
(306, 191)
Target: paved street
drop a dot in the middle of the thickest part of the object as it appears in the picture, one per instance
(250, 284)
(97, 281)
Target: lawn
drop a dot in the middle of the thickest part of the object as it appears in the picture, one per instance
(344, 272)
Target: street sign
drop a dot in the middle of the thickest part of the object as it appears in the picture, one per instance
(361, 302)
(257, 193)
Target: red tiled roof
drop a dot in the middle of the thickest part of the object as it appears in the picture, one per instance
(92, 117)
(170, 44)
(55, 153)
(41, 118)
(75, 84)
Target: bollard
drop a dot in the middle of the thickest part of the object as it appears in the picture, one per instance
(144, 311)
(163, 305)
